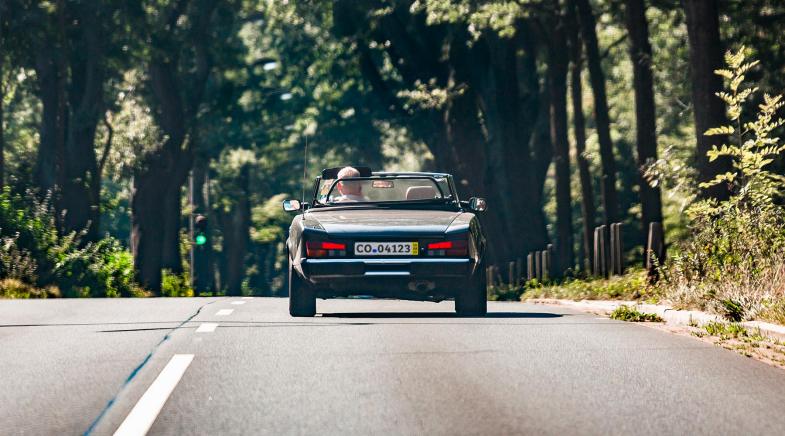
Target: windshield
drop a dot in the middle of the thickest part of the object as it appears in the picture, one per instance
(382, 190)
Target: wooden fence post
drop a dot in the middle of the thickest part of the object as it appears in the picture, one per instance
(616, 250)
(597, 268)
(604, 252)
(530, 274)
(538, 264)
(546, 264)
(518, 270)
(655, 249)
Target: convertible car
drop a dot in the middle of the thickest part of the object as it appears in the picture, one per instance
(386, 235)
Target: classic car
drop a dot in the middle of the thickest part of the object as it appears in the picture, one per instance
(386, 235)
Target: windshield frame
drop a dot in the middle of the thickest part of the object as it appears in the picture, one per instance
(449, 197)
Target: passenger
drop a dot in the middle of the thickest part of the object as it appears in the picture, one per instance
(351, 191)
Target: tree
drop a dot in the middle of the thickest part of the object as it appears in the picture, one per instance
(475, 100)
(588, 210)
(74, 56)
(178, 69)
(709, 111)
(645, 116)
(558, 60)
(601, 116)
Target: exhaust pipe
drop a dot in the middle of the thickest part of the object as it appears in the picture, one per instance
(422, 286)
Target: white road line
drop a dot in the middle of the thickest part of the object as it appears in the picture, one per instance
(224, 312)
(247, 298)
(206, 327)
(238, 302)
(142, 416)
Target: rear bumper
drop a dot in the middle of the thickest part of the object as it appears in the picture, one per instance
(325, 269)
(409, 278)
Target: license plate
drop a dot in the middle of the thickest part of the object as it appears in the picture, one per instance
(386, 248)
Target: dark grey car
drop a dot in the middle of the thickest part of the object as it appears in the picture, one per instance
(386, 235)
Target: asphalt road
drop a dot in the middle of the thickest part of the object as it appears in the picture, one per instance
(365, 367)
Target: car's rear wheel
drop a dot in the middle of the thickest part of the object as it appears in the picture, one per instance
(472, 300)
(302, 300)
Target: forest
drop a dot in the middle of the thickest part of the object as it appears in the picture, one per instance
(146, 145)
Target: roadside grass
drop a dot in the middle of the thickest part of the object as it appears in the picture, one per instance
(750, 343)
(631, 314)
(632, 286)
(16, 289)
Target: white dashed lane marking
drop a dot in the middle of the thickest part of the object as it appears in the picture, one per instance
(206, 327)
(224, 312)
(238, 302)
(142, 416)
(247, 298)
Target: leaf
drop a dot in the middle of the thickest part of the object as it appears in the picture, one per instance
(728, 74)
(722, 130)
(727, 98)
(734, 84)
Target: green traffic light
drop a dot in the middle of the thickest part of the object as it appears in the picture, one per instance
(200, 239)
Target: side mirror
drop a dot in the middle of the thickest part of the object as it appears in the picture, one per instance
(477, 204)
(291, 205)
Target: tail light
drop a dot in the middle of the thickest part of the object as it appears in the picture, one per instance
(324, 249)
(458, 247)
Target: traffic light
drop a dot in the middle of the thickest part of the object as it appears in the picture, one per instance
(200, 230)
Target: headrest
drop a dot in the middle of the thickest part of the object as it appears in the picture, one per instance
(332, 173)
(421, 193)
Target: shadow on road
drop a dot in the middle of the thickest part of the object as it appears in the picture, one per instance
(441, 315)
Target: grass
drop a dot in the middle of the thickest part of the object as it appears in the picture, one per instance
(631, 314)
(16, 289)
(632, 286)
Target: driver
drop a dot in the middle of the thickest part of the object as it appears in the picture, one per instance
(351, 190)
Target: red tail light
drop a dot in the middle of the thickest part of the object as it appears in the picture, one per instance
(324, 249)
(458, 247)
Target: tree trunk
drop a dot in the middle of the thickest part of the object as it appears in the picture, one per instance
(576, 87)
(557, 93)
(147, 234)
(597, 78)
(51, 143)
(705, 57)
(80, 192)
(645, 117)
(236, 236)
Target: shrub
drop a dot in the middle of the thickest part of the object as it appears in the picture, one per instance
(176, 285)
(631, 314)
(632, 286)
(734, 260)
(13, 288)
(35, 255)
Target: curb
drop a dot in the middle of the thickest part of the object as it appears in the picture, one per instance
(670, 315)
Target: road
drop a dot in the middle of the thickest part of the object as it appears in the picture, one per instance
(243, 366)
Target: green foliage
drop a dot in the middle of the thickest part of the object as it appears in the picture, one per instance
(733, 259)
(631, 314)
(754, 184)
(13, 288)
(174, 285)
(33, 253)
(632, 286)
(725, 330)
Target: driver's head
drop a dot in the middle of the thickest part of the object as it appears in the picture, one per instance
(349, 188)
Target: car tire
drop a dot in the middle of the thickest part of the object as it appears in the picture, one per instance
(302, 300)
(473, 299)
